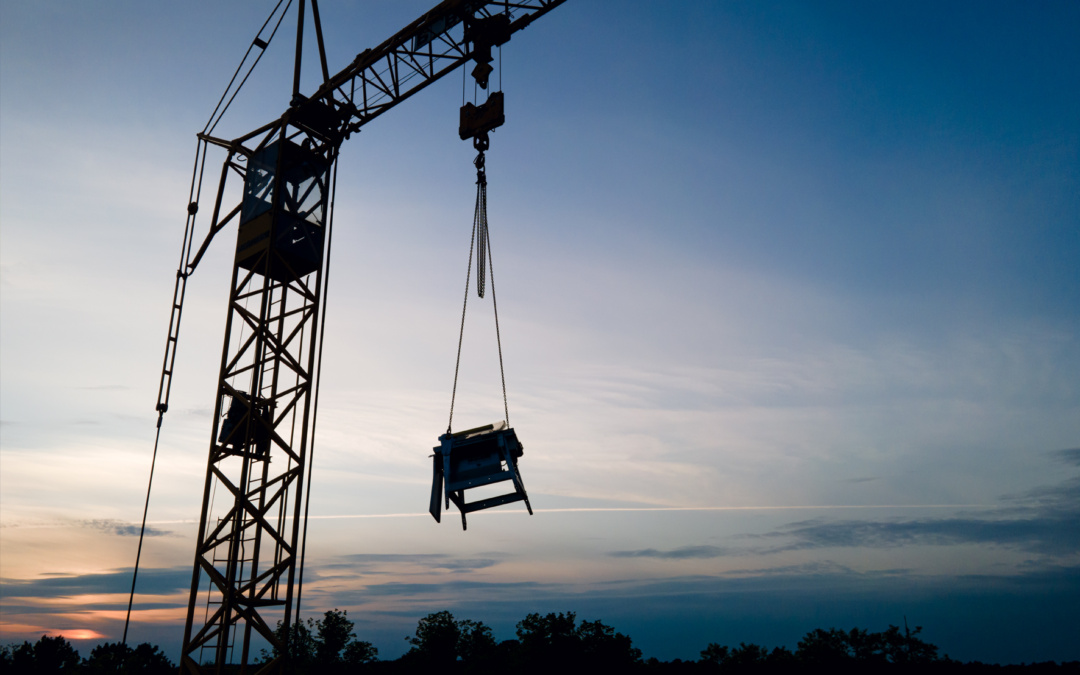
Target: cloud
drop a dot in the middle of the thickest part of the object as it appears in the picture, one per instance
(369, 563)
(812, 579)
(1072, 455)
(26, 608)
(812, 568)
(1043, 520)
(1039, 535)
(465, 588)
(685, 552)
(124, 529)
(153, 581)
(400, 595)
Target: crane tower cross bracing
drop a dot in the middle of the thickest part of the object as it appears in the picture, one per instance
(248, 554)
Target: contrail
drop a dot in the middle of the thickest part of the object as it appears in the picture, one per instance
(619, 509)
(587, 509)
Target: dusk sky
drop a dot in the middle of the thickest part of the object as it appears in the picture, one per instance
(789, 299)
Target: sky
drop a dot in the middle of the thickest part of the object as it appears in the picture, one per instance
(790, 314)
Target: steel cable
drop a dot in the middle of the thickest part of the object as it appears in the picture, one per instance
(212, 123)
(318, 377)
(481, 239)
(464, 305)
(142, 530)
(498, 338)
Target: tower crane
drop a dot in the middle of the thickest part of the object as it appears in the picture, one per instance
(249, 551)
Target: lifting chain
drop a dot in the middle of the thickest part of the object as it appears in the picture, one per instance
(480, 240)
(480, 224)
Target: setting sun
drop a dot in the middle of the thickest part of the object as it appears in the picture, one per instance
(81, 634)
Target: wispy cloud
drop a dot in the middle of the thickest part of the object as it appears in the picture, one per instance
(1043, 520)
(453, 587)
(824, 567)
(159, 581)
(1072, 455)
(675, 554)
(1037, 535)
(370, 562)
(123, 529)
(817, 577)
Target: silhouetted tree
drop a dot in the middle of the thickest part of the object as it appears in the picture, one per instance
(115, 658)
(47, 656)
(297, 646)
(556, 641)
(441, 641)
(906, 649)
(335, 644)
(781, 657)
(836, 648)
(824, 648)
(747, 658)
(546, 644)
(108, 657)
(436, 639)
(600, 644)
(746, 655)
(475, 642)
(324, 646)
(714, 653)
(359, 652)
(551, 637)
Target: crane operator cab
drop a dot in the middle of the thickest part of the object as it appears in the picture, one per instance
(282, 217)
(474, 458)
(246, 428)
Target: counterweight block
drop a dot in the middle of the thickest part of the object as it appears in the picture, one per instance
(474, 458)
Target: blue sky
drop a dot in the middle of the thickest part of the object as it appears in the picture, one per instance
(789, 300)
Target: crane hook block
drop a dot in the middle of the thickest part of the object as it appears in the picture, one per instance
(474, 458)
(477, 120)
(485, 33)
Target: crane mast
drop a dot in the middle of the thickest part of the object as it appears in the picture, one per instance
(250, 538)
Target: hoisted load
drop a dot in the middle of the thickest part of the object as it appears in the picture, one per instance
(474, 458)
(485, 455)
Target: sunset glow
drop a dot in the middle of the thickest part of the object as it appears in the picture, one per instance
(80, 634)
(788, 303)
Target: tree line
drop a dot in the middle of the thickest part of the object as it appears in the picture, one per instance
(543, 644)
